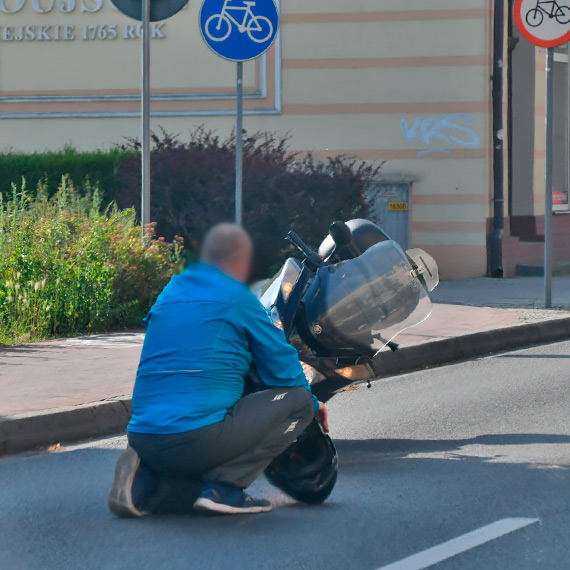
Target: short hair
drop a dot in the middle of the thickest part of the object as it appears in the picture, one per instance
(225, 244)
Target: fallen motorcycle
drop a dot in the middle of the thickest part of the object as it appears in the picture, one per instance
(340, 307)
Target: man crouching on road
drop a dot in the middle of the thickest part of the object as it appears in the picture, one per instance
(190, 421)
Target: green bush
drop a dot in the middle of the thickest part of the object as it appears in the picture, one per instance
(98, 167)
(68, 267)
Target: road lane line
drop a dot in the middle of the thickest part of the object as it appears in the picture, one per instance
(460, 544)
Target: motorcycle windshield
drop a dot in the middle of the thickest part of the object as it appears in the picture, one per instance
(367, 301)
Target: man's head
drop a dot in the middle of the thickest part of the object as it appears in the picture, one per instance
(229, 248)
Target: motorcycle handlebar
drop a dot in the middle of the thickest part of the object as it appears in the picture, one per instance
(299, 243)
(313, 259)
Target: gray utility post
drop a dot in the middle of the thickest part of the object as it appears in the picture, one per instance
(239, 143)
(548, 182)
(145, 111)
(147, 11)
(547, 32)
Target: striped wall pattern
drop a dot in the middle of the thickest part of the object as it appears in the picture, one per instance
(384, 80)
(372, 69)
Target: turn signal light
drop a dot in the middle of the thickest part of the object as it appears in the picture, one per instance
(312, 374)
(358, 372)
(287, 288)
(309, 371)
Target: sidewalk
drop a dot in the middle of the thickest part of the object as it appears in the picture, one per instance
(519, 292)
(70, 389)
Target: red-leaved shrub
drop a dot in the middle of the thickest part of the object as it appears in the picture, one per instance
(193, 185)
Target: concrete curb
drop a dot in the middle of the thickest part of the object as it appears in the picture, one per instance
(452, 349)
(41, 429)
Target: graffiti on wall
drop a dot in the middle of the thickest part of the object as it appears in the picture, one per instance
(452, 130)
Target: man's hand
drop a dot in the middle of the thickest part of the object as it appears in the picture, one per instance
(323, 416)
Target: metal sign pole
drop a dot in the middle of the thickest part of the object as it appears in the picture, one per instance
(145, 111)
(239, 143)
(548, 182)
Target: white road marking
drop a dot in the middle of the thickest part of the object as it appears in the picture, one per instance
(460, 544)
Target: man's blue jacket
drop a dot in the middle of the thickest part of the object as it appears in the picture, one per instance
(202, 334)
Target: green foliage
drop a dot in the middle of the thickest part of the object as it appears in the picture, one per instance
(98, 167)
(68, 267)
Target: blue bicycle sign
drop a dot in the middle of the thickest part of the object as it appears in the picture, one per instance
(239, 30)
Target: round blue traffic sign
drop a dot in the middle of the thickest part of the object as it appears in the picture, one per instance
(159, 9)
(239, 30)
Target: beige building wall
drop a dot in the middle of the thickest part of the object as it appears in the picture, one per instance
(383, 80)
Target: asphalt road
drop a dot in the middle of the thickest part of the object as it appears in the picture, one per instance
(426, 458)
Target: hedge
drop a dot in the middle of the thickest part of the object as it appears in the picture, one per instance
(99, 167)
(192, 185)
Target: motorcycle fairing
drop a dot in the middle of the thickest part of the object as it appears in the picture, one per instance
(363, 303)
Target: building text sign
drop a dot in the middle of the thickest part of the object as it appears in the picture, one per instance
(47, 6)
(21, 31)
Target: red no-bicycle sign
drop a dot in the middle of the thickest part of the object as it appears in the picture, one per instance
(544, 23)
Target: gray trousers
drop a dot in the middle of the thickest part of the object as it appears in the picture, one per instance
(234, 451)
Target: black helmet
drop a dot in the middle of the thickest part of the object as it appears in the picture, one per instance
(308, 468)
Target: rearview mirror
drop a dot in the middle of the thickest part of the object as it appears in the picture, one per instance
(425, 266)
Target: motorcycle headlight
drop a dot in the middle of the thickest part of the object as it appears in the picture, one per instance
(289, 275)
(284, 281)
